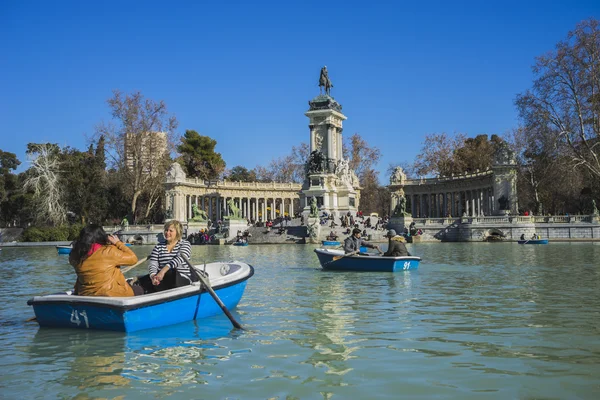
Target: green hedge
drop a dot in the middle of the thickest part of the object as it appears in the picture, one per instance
(51, 233)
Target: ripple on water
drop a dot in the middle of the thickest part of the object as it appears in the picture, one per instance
(475, 321)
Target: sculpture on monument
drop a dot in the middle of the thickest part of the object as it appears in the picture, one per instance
(314, 210)
(504, 155)
(400, 209)
(343, 171)
(398, 176)
(316, 163)
(324, 81)
(235, 211)
(594, 208)
(198, 215)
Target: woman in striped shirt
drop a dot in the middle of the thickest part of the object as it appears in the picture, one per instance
(167, 267)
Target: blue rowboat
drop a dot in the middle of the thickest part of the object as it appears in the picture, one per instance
(330, 243)
(130, 314)
(534, 241)
(240, 244)
(64, 249)
(128, 244)
(365, 263)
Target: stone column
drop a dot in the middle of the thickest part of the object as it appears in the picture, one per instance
(329, 145)
(339, 143)
(255, 209)
(220, 202)
(291, 208)
(313, 144)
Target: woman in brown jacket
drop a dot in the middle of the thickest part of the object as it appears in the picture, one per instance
(96, 258)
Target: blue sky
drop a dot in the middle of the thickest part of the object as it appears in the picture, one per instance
(242, 72)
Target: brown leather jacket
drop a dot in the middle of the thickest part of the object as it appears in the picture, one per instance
(100, 275)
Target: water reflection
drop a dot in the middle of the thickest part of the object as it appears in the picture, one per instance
(170, 356)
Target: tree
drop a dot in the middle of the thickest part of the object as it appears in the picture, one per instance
(8, 185)
(289, 168)
(563, 106)
(362, 156)
(437, 155)
(44, 179)
(198, 156)
(8, 163)
(138, 144)
(241, 174)
(83, 177)
(362, 159)
(476, 154)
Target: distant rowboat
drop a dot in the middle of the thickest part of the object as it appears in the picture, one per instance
(64, 249)
(533, 241)
(369, 263)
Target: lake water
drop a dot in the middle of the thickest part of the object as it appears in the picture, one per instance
(476, 321)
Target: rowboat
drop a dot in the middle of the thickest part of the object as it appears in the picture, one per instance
(128, 244)
(130, 314)
(330, 243)
(533, 241)
(365, 262)
(240, 244)
(64, 249)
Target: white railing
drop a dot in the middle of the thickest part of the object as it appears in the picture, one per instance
(517, 219)
(244, 185)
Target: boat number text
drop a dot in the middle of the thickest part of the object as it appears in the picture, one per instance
(406, 265)
(75, 318)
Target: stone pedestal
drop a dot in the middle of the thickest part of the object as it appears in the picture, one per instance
(232, 226)
(194, 227)
(314, 230)
(399, 223)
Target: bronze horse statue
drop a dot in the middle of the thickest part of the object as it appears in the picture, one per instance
(324, 81)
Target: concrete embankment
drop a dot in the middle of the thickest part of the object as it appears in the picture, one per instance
(34, 244)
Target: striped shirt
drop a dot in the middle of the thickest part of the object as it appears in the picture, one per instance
(161, 256)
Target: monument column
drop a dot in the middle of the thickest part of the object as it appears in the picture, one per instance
(328, 176)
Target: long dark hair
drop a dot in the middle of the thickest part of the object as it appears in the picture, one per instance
(87, 237)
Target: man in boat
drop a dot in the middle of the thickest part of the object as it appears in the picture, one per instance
(396, 247)
(353, 243)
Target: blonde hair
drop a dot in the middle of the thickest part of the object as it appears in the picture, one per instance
(178, 228)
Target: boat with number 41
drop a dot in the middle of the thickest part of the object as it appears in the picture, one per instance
(130, 314)
(336, 260)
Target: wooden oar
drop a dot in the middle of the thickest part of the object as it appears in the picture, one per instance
(123, 270)
(345, 255)
(210, 290)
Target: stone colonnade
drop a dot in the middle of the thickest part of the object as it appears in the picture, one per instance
(491, 192)
(251, 207)
(433, 204)
(255, 201)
